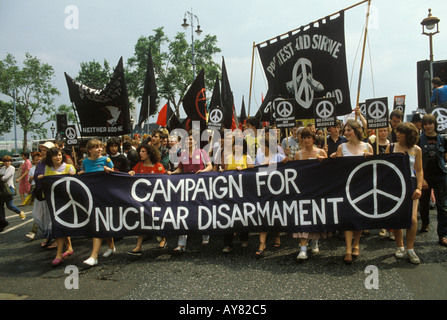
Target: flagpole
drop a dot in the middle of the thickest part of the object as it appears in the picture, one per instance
(333, 14)
(363, 56)
(251, 78)
(76, 117)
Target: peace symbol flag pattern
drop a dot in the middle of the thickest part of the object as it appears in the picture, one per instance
(102, 112)
(308, 64)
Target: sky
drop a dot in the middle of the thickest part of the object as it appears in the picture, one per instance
(109, 29)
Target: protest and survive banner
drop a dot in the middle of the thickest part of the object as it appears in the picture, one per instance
(352, 193)
(308, 64)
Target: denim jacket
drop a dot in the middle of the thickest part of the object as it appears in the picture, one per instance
(439, 151)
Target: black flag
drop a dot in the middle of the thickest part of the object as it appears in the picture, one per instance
(243, 115)
(102, 112)
(150, 95)
(309, 64)
(215, 117)
(194, 101)
(227, 100)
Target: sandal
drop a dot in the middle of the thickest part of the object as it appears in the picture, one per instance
(348, 258)
(260, 252)
(165, 244)
(355, 253)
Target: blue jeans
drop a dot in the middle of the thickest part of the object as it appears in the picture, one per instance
(9, 205)
(439, 186)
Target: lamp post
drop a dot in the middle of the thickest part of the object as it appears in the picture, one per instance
(185, 25)
(428, 25)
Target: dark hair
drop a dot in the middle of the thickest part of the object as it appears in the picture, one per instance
(127, 145)
(307, 133)
(25, 153)
(51, 153)
(153, 153)
(253, 121)
(411, 133)
(114, 141)
(397, 113)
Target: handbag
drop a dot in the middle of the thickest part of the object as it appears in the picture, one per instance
(5, 192)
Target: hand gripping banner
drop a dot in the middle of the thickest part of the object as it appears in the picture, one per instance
(352, 193)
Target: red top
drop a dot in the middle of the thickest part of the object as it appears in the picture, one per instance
(156, 168)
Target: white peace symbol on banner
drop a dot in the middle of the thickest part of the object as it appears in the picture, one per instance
(324, 109)
(303, 83)
(377, 109)
(216, 116)
(374, 192)
(70, 133)
(441, 118)
(71, 203)
(284, 108)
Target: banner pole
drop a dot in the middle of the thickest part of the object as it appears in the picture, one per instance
(363, 56)
(76, 117)
(251, 78)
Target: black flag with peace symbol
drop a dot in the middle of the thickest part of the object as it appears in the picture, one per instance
(309, 64)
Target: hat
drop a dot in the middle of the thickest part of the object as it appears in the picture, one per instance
(417, 117)
(48, 145)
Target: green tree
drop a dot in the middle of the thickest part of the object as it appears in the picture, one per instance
(32, 90)
(93, 75)
(6, 117)
(172, 63)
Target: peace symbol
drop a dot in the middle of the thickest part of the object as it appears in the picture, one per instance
(377, 109)
(324, 109)
(67, 184)
(375, 192)
(441, 118)
(216, 116)
(363, 108)
(70, 133)
(284, 108)
(302, 71)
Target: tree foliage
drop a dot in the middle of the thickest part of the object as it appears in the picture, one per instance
(31, 88)
(172, 63)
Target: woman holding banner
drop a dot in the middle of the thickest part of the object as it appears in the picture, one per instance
(407, 136)
(96, 162)
(307, 152)
(149, 163)
(55, 162)
(268, 155)
(237, 160)
(192, 160)
(353, 147)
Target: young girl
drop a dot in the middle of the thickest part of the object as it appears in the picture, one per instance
(149, 163)
(309, 151)
(192, 160)
(237, 160)
(407, 136)
(354, 147)
(55, 162)
(96, 162)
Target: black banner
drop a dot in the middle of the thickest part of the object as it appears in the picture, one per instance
(352, 193)
(309, 64)
(102, 112)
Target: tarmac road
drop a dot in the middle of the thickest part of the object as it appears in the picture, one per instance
(204, 273)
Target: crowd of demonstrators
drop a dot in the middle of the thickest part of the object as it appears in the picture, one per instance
(163, 153)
